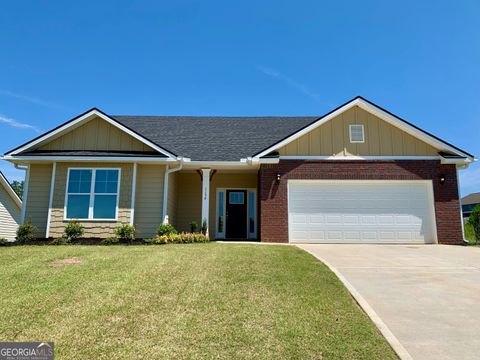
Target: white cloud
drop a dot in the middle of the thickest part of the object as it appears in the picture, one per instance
(16, 124)
(291, 82)
(31, 99)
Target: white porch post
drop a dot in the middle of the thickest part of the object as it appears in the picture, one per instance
(50, 200)
(205, 195)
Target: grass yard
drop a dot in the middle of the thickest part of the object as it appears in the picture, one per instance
(224, 301)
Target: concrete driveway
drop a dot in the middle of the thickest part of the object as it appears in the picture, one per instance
(428, 296)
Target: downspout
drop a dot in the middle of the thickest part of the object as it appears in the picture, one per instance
(465, 241)
(26, 168)
(165, 188)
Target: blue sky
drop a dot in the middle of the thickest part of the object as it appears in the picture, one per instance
(419, 60)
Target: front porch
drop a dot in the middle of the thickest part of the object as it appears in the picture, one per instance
(226, 199)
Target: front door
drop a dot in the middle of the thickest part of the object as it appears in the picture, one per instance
(236, 214)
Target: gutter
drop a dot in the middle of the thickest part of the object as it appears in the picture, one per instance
(165, 186)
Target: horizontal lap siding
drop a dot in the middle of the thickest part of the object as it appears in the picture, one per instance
(38, 197)
(149, 199)
(274, 203)
(9, 215)
(93, 229)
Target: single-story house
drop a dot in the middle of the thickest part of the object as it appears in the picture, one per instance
(10, 208)
(356, 174)
(468, 203)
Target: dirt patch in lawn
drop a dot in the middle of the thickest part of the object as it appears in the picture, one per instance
(66, 261)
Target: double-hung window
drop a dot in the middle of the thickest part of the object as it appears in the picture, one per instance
(92, 194)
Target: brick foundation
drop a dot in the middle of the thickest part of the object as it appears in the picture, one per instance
(273, 207)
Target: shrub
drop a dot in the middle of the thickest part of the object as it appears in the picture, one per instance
(73, 230)
(166, 229)
(125, 232)
(3, 242)
(193, 227)
(204, 227)
(60, 241)
(26, 232)
(474, 221)
(110, 241)
(183, 238)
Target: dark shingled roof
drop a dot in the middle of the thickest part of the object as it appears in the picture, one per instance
(92, 153)
(215, 138)
(470, 199)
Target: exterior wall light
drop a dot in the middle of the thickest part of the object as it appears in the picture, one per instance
(442, 179)
(278, 177)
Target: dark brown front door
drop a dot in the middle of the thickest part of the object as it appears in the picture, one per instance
(236, 214)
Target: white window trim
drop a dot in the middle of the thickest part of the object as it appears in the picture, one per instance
(92, 194)
(350, 134)
(222, 235)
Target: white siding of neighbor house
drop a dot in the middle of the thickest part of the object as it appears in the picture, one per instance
(9, 215)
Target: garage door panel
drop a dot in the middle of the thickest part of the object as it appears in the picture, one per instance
(367, 211)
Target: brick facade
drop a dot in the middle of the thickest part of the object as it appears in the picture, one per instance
(273, 207)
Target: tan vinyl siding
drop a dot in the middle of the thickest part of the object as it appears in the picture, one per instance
(189, 196)
(9, 215)
(172, 198)
(149, 199)
(381, 139)
(93, 229)
(38, 197)
(96, 134)
(189, 200)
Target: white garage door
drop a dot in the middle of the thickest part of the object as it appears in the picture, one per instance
(350, 211)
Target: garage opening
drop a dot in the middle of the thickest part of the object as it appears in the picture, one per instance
(363, 211)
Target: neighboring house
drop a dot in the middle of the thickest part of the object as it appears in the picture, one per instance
(468, 203)
(356, 174)
(10, 207)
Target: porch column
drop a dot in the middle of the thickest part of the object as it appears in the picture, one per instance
(205, 196)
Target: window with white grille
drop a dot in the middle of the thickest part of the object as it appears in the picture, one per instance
(357, 134)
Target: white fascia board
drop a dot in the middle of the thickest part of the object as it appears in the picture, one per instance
(440, 145)
(8, 188)
(84, 118)
(232, 165)
(89, 158)
(352, 157)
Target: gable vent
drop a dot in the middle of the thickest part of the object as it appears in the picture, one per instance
(357, 134)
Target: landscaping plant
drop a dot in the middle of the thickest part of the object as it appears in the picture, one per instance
(474, 221)
(26, 232)
(73, 231)
(166, 229)
(193, 227)
(204, 227)
(125, 233)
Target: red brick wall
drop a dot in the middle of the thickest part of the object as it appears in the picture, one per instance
(273, 207)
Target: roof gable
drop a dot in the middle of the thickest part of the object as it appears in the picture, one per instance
(435, 142)
(8, 188)
(54, 136)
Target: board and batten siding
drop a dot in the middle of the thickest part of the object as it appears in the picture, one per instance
(149, 199)
(97, 134)
(38, 197)
(381, 139)
(9, 215)
(93, 229)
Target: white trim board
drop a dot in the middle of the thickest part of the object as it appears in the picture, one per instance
(380, 113)
(84, 118)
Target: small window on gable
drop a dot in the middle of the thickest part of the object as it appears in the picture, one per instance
(357, 134)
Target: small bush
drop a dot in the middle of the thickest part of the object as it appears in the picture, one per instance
(166, 229)
(60, 241)
(474, 221)
(183, 238)
(26, 232)
(110, 241)
(193, 227)
(204, 227)
(73, 230)
(3, 242)
(125, 233)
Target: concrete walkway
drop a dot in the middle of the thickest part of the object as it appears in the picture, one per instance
(428, 296)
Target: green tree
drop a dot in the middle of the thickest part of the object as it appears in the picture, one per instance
(474, 220)
(18, 187)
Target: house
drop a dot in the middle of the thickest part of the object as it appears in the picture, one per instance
(468, 203)
(10, 207)
(356, 174)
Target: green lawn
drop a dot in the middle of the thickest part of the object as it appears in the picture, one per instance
(224, 301)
